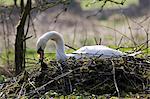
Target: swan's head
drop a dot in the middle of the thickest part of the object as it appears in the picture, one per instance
(41, 43)
(40, 46)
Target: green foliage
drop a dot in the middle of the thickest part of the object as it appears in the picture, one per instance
(8, 2)
(2, 78)
(96, 4)
(4, 56)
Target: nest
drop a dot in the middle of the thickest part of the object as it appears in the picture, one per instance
(86, 76)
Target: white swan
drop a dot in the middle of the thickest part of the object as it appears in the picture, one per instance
(89, 51)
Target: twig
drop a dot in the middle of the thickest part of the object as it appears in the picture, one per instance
(117, 31)
(47, 5)
(114, 78)
(70, 47)
(74, 33)
(70, 85)
(33, 27)
(146, 18)
(84, 29)
(60, 13)
(95, 31)
(36, 91)
(20, 92)
(98, 10)
(27, 38)
(103, 5)
(56, 78)
(98, 85)
(95, 40)
(120, 41)
(132, 36)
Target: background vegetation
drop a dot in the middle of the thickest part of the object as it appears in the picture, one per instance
(120, 24)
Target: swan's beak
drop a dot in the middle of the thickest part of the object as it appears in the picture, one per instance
(40, 54)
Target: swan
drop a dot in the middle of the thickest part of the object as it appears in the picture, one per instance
(86, 51)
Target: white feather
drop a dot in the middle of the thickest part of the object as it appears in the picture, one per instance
(86, 51)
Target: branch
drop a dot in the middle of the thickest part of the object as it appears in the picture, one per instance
(114, 78)
(27, 38)
(102, 7)
(70, 47)
(122, 2)
(47, 5)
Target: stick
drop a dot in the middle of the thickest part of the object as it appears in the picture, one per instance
(56, 78)
(21, 90)
(114, 78)
(70, 47)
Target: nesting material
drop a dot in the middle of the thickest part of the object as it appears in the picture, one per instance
(112, 76)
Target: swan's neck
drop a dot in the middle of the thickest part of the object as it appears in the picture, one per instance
(60, 50)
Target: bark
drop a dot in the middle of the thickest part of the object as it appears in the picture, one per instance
(19, 42)
(15, 2)
(22, 5)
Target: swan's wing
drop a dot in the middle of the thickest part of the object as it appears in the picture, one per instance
(77, 56)
(98, 50)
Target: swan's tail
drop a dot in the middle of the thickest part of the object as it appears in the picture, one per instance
(135, 53)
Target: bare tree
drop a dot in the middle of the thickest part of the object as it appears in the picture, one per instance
(19, 42)
(15, 2)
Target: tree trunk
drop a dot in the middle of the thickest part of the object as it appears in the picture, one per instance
(15, 2)
(19, 42)
(22, 5)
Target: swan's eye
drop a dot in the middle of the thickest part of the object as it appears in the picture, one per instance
(53, 39)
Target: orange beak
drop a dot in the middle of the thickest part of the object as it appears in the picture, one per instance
(41, 54)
